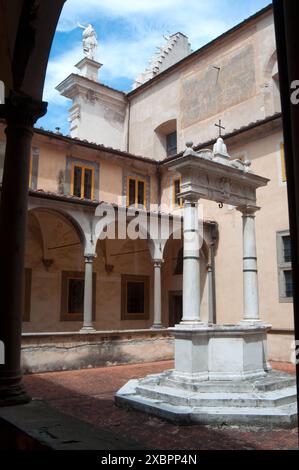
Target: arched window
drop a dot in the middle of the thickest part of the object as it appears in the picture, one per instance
(275, 87)
(167, 137)
(271, 87)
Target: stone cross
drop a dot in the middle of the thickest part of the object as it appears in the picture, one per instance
(220, 127)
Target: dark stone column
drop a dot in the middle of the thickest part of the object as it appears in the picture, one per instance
(20, 112)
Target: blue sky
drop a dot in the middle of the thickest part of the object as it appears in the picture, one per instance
(128, 33)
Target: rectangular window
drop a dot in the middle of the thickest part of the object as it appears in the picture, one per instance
(286, 240)
(171, 144)
(285, 279)
(283, 164)
(88, 173)
(288, 281)
(136, 192)
(75, 296)
(82, 181)
(134, 297)
(177, 201)
(140, 193)
(132, 192)
(72, 295)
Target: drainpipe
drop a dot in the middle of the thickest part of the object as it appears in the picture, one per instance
(128, 126)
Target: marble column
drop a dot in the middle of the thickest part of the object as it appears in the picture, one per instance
(250, 277)
(88, 296)
(20, 112)
(191, 266)
(157, 294)
(210, 293)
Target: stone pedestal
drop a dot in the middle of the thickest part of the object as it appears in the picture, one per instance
(219, 352)
(89, 68)
(221, 377)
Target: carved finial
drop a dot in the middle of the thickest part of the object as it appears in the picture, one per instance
(189, 144)
(220, 148)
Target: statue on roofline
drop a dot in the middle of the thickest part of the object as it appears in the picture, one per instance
(89, 41)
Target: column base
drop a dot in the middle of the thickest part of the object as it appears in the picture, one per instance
(248, 321)
(157, 326)
(13, 394)
(87, 329)
(191, 324)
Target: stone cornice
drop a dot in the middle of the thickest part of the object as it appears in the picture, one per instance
(76, 84)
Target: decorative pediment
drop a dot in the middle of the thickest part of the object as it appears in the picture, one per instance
(215, 176)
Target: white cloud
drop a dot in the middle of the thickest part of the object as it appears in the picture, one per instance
(147, 20)
(92, 10)
(58, 69)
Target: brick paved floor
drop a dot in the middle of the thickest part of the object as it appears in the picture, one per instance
(88, 395)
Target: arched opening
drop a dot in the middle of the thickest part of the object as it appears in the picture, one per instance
(276, 91)
(54, 263)
(125, 286)
(271, 88)
(172, 281)
(166, 138)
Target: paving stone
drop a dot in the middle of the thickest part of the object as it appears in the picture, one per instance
(88, 395)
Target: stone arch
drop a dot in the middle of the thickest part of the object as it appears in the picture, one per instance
(65, 216)
(54, 250)
(172, 280)
(164, 129)
(270, 64)
(271, 86)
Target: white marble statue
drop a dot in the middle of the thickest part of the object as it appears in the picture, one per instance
(89, 41)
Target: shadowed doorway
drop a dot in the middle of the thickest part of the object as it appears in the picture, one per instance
(175, 307)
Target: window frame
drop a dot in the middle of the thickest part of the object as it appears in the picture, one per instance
(167, 136)
(125, 278)
(136, 180)
(181, 204)
(282, 266)
(83, 168)
(64, 314)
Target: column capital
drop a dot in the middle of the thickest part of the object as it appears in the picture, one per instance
(190, 202)
(22, 111)
(248, 210)
(89, 257)
(158, 263)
